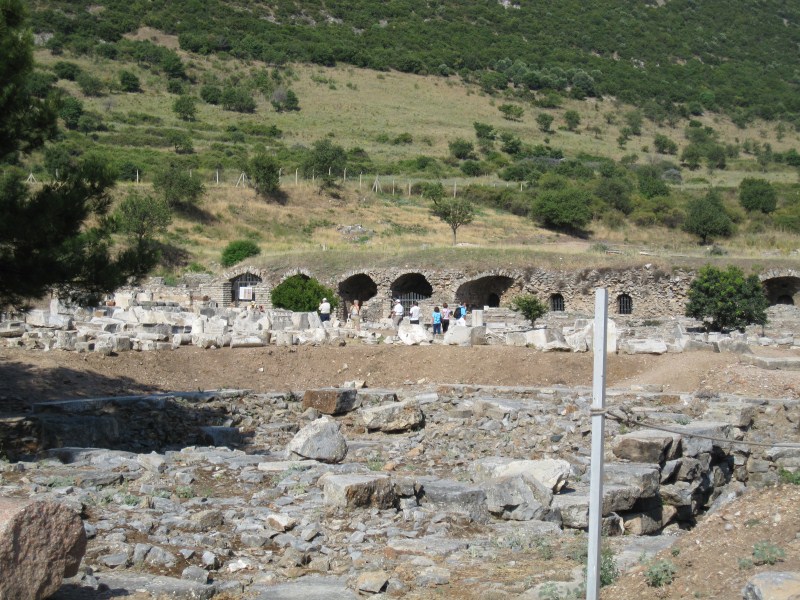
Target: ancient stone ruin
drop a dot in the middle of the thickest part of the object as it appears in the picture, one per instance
(341, 492)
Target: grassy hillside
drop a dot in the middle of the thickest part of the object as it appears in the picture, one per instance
(398, 128)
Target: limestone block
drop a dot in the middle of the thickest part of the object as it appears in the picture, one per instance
(513, 498)
(694, 446)
(517, 339)
(353, 490)
(455, 496)
(412, 335)
(642, 523)
(477, 336)
(546, 339)
(374, 396)
(732, 346)
(644, 477)
(612, 338)
(12, 329)
(397, 416)
(285, 338)
(300, 321)
(477, 318)
(40, 544)
(643, 346)
(319, 440)
(552, 473)
(577, 341)
(574, 509)
(646, 446)
(372, 582)
(773, 585)
(332, 401)
(43, 318)
(457, 335)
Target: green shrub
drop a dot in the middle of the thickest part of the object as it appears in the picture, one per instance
(301, 294)
(767, 553)
(530, 306)
(237, 250)
(660, 573)
(789, 477)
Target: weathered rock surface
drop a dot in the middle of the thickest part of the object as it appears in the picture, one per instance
(40, 544)
(319, 440)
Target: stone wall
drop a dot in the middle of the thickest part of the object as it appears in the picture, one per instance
(653, 293)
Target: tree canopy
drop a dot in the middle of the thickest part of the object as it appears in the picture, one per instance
(57, 236)
(726, 299)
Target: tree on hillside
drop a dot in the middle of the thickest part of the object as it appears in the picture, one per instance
(185, 107)
(177, 187)
(326, 162)
(566, 209)
(57, 237)
(757, 194)
(453, 211)
(265, 174)
(572, 119)
(544, 121)
(706, 217)
(726, 299)
(141, 217)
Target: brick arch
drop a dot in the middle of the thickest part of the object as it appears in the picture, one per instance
(291, 273)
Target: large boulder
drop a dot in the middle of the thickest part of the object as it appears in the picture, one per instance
(458, 335)
(319, 440)
(40, 543)
(775, 585)
(646, 446)
(412, 335)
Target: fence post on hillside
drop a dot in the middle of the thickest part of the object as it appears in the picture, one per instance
(313, 175)
(280, 171)
(392, 186)
(137, 175)
(359, 179)
(217, 176)
(190, 173)
(345, 174)
(409, 189)
(455, 189)
(295, 176)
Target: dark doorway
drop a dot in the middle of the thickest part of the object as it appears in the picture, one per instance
(484, 291)
(411, 287)
(557, 303)
(782, 290)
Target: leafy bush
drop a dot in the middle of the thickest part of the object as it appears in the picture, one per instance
(302, 294)
(66, 70)
(660, 573)
(757, 194)
(461, 149)
(176, 186)
(265, 173)
(237, 250)
(567, 209)
(727, 298)
(706, 218)
(789, 477)
(530, 306)
(128, 82)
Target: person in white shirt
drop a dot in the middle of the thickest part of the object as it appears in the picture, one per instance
(324, 310)
(413, 314)
(397, 313)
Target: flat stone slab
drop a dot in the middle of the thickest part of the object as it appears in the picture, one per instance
(329, 588)
(332, 401)
(126, 584)
(773, 586)
(772, 363)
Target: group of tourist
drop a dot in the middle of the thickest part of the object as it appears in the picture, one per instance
(440, 318)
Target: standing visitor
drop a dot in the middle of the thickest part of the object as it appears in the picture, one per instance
(445, 318)
(324, 310)
(437, 321)
(413, 314)
(397, 313)
(355, 314)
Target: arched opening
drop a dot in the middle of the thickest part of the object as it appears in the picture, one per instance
(243, 287)
(484, 291)
(557, 303)
(359, 287)
(411, 287)
(782, 290)
(624, 304)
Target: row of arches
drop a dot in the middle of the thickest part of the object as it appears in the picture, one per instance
(409, 288)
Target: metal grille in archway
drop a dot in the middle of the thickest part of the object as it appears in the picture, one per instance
(408, 298)
(242, 287)
(557, 303)
(624, 304)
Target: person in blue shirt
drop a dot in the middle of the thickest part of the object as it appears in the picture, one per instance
(437, 321)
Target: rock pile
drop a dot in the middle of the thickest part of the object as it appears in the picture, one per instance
(339, 491)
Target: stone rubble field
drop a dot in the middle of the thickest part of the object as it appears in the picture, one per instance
(457, 491)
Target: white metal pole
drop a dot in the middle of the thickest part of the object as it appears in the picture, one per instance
(598, 427)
